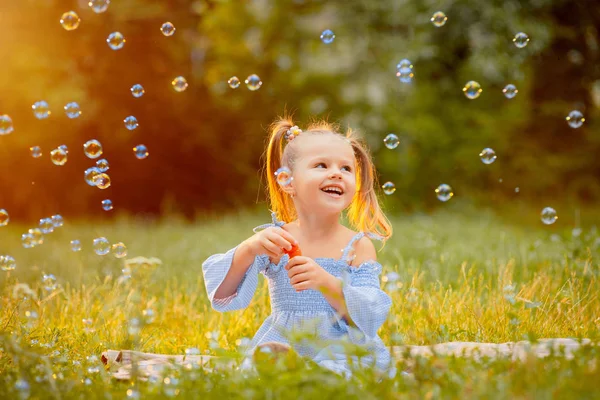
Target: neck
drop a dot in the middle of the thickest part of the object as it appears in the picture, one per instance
(317, 226)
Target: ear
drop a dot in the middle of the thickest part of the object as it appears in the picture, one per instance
(289, 189)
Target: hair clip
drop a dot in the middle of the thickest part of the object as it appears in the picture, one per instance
(292, 133)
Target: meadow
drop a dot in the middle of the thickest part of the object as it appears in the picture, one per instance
(455, 275)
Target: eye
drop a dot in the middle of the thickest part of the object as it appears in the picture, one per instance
(345, 166)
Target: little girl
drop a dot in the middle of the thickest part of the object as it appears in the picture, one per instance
(330, 173)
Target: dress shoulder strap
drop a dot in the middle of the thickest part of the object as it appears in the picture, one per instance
(356, 238)
(275, 223)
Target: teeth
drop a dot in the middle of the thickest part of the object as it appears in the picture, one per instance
(337, 190)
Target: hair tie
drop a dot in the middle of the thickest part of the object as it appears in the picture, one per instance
(292, 133)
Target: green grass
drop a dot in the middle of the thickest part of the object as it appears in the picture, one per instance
(464, 276)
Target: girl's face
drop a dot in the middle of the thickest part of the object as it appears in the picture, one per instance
(324, 161)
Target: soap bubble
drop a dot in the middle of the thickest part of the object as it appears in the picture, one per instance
(388, 188)
(64, 148)
(87, 323)
(36, 151)
(7, 263)
(116, 41)
(134, 327)
(4, 218)
(58, 156)
(283, 176)
(253, 82)
(23, 387)
(575, 119)
(520, 40)
(37, 237)
(444, 192)
(41, 109)
(167, 29)
(99, 6)
(179, 84)
(510, 91)
(49, 282)
(131, 122)
(102, 165)
(101, 246)
(57, 220)
(46, 225)
(149, 315)
(90, 174)
(439, 19)
(549, 215)
(28, 241)
(102, 181)
(72, 110)
(70, 20)
(75, 245)
(92, 148)
(119, 250)
(107, 205)
(487, 155)
(391, 141)
(233, 82)
(140, 151)
(327, 36)
(404, 71)
(6, 125)
(472, 90)
(137, 90)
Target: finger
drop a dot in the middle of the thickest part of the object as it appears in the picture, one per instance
(298, 278)
(295, 261)
(271, 247)
(295, 270)
(301, 286)
(287, 236)
(279, 240)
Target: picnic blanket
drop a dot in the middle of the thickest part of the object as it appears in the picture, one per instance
(121, 363)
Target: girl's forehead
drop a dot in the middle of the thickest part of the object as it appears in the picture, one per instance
(326, 146)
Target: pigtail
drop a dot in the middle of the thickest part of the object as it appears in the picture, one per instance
(281, 203)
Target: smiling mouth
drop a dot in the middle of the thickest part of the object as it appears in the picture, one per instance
(332, 193)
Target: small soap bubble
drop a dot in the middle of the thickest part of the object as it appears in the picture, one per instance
(102, 165)
(233, 82)
(36, 151)
(520, 40)
(75, 245)
(64, 148)
(179, 84)
(7, 263)
(283, 176)
(119, 250)
(149, 315)
(41, 109)
(444, 192)
(131, 122)
(439, 19)
(404, 71)
(167, 29)
(4, 217)
(140, 151)
(253, 82)
(92, 149)
(137, 90)
(472, 90)
(22, 386)
(517, 189)
(327, 36)
(37, 237)
(575, 119)
(101, 246)
(388, 188)
(391, 141)
(134, 327)
(549, 216)
(116, 41)
(510, 91)
(49, 282)
(57, 220)
(70, 20)
(28, 241)
(6, 125)
(102, 181)
(107, 205)
(58, 157)
(90, 174)
(99, 6)
(487, 155)
(72, 110)
(46, 225)
(133, 394)
(88, 325)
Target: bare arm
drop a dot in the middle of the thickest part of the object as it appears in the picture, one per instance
(242, 260)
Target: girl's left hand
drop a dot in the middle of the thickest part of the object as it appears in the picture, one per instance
(305, 273)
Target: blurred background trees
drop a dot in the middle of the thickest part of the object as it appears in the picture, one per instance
(206, 143)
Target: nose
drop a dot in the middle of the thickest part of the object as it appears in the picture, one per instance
(335, 174)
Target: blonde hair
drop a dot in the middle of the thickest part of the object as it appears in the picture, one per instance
(364, 213)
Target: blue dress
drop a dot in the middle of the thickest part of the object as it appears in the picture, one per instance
(308, 310)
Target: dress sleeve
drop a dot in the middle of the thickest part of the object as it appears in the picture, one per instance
(216, 267)
(368, 305)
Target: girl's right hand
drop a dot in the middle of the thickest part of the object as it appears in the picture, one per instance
(271, 241)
